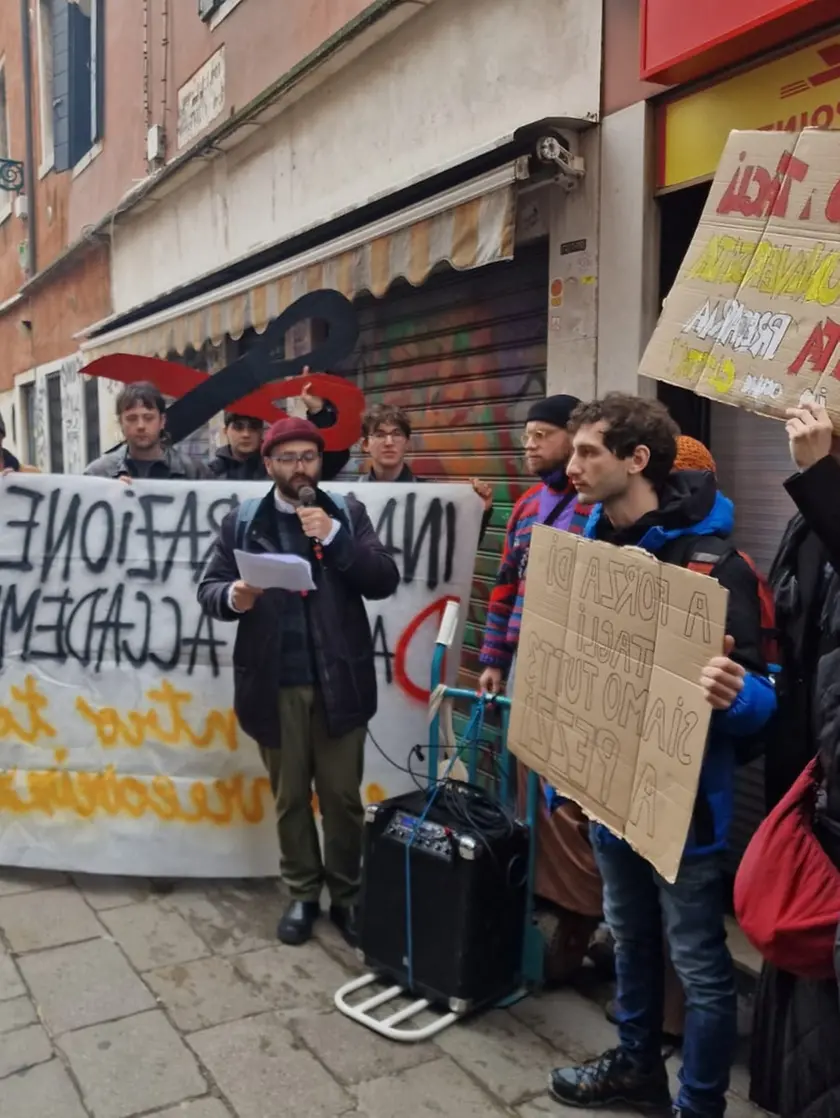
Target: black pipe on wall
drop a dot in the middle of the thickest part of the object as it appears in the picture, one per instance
(30, 174)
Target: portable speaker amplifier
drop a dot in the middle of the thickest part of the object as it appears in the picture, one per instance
(468, 901)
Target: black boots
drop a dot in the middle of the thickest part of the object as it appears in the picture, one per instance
(345, 920)
(612, 1080)
(296, 923)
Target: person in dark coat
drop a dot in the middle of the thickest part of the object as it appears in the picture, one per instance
(7, 459)
(795, 1069)
(304, 669)
(146, 453)
(240, 459)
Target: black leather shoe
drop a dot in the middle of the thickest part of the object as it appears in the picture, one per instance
(345, 920)
(295, 926)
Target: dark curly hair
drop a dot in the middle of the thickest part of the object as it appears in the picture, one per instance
(632, 421)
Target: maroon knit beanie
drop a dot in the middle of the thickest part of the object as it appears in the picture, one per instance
(289, 430)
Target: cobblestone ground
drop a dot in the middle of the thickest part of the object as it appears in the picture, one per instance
(119, 1000)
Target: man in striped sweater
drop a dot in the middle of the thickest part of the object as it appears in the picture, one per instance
(567, 876)
(548, 447)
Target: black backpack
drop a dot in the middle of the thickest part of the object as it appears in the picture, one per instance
(704, 554)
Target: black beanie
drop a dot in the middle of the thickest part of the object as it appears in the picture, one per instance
(555, 410)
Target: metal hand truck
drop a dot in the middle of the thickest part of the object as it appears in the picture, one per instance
(397, 1024)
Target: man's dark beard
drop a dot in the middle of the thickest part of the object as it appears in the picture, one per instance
(291, 488)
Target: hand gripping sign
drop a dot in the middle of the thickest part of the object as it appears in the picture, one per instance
(246, 385)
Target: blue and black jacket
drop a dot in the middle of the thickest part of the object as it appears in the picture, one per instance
(691, 506)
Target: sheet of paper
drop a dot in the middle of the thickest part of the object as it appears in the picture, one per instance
(274, 572)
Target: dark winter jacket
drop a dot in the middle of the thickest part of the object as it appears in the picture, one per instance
(224, 465)
(355, 566)
(806, 579)
(691, 506)
(796, 1034)
(405, 476)
(794, 1065)
(8, 460)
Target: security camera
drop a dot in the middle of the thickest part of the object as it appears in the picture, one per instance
(570, 168)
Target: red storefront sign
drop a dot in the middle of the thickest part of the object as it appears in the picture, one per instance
(709, 35)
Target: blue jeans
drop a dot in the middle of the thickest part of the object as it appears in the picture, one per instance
(639, 905)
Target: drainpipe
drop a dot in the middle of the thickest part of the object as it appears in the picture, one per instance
(30, 178)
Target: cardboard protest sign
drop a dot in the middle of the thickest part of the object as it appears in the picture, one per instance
(119, 748)
(753, 317)
(607, 704)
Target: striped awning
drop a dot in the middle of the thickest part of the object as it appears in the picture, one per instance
(470, 233)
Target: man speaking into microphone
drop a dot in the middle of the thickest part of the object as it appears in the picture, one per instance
(304, 673)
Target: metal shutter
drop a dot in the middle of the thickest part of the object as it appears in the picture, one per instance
(465, 355)
(753, 460)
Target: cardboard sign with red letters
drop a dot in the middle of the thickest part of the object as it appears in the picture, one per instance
(753, 318)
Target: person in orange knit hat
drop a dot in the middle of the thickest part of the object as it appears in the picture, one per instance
(693, 455)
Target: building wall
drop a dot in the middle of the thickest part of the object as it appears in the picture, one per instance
(628, 295)
(50, 192)
(628, 237)
(262, 40)
(622, 85)
(383, 122)
(38, 327)
(12, 230)
(574, 278)
(41, 327)
(37, 339)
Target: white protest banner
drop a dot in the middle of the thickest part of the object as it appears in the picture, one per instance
(119, 750)
(607, 702)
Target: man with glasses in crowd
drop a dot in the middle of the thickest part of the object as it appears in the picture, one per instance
(567, 879)
(386, 440)
(304, 673)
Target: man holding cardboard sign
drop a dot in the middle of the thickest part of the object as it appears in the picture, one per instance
(625, 701)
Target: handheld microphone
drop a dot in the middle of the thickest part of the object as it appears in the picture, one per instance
(308, 497)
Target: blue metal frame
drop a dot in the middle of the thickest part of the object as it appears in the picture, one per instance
(533, 944)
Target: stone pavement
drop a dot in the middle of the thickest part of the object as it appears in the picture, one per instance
(121, 1000)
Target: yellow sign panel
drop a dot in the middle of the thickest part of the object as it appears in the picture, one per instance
(798, 91)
